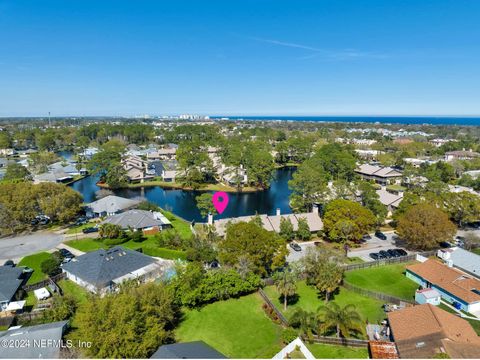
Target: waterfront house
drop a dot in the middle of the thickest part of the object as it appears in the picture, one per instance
(10, 282)
(454, 286)
(110, 205)
(136, 169)
(379, 174)
(272, 222)
(103, 270)
(149, 222)
(426, 331)
(34, 342)
(167, 153)
(166, 169)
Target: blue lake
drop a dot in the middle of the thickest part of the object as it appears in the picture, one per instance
(182, 203)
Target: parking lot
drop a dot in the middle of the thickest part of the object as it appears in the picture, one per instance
(373, 245)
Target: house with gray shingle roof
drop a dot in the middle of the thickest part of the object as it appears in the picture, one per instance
(147, 221)
(110, 205)
(379, 174)
(10, 282)
(103, 270)
(38, 342)
(187, 350)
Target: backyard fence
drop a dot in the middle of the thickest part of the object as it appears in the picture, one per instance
(376, 295)
(338, 341)
(50, 281)
(382, 262)
(279, 314)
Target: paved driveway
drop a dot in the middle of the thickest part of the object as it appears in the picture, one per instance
(15, 248)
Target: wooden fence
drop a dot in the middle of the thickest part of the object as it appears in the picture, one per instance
(279, 314)
(376, 295)
(338, 341)
(50, 281)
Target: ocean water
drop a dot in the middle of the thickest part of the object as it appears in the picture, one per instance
(472, 121)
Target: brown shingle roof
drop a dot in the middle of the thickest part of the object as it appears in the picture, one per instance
(383, 350)
(449, 279)
(419, 331)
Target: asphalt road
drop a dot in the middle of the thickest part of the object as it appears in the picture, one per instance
(14, 248)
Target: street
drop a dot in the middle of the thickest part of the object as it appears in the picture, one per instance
(15, 248)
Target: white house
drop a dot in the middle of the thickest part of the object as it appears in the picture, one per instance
(427, 296)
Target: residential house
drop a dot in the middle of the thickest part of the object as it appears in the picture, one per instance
(464, 260)
(427, 296)
(382, 350)
(187, 350)
(148, 221)
(7, 152)
(33, 342)
(110, 205)
(389, 199)
(456, 287)
(167, 169)
(88, 152)
(439, 142)
(136, 169)
(461, 155)
(426, 331)
(272, 222)
(368, 154)
(102, 271)
(11, 278)
(59, 172)
(167, 153)
(460, 188)
(379, 174)
(473, 173)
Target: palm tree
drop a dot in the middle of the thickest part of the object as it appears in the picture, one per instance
(305, 321)
(286, 285)
(344, 319)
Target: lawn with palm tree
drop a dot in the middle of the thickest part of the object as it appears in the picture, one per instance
(308, 299)
(323, 351)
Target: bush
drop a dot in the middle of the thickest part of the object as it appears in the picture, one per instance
(51, 267)
(137, 236)
(113, 242)
(288, 335)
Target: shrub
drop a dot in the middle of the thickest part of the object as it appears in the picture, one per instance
(51, 267)
(288, 335)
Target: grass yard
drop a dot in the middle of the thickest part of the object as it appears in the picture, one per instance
(388, 279)
(79, 228)
(182, 226)
(324, 351)
(34, 262)
(368, 308)
(87, 244)
(476, 251)
(238, 328)
(70, 288)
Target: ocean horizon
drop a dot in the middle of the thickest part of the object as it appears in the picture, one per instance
(407, 120)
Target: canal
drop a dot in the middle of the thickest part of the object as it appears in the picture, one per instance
(182, 202)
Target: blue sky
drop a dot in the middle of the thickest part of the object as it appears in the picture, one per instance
(263, 57)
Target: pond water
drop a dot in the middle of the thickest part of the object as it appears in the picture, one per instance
(182, 202)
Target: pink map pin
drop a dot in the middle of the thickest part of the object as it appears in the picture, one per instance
(220, 201)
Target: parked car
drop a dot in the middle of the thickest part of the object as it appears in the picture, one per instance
(9, 263)
(34, 221)
(366, 237)
(401, 252)
(380, 235)
(392, 253)
(81, 220)
(374, 256)
(383, 254)
(90, 230)
(445, 245)
(295, 246)
(66, 253)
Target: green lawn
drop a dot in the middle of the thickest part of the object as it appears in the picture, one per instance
(388, 279)
(368, 308)
(238, 328)
(34, 262)
(79, 228)
(323, 351)
(70, 288)
(149, 247)
(182, 226)
(476, 251)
